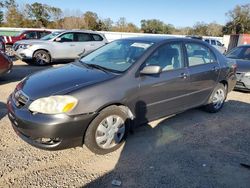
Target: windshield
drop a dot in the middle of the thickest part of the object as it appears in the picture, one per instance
(51, 35)
(236, 53)
(18, 33)
(118, 55)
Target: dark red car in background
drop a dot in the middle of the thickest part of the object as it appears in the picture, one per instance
(8, 41)
(5, 64)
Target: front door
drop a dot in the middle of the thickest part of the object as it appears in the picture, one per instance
(166, 93)
(66, 47)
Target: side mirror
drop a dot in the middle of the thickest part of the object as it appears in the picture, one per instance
(58, 39)
(151, 69)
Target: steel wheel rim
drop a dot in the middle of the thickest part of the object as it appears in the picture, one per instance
(42, 59)
(218, 98)
(110, 132)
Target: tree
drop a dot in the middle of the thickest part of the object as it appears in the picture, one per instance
(123, 26)
(13, 16)
(239, 20)
(106, 24)
(91, 20)
(43, 14)
(156, 26)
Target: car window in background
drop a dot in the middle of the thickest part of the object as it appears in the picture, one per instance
(213, 42)
(19, 33)
(83, 37)
(67, 37)
(219, 43)
(97, 37)
(31, 35)
(199, 54)
(118, 55)
(168, 57)
(207, 41)
(42, 34)
(236, 53)
(51, 36)
(247, 54)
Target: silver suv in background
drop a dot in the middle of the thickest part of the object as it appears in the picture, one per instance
(217, 44)
(59, 46)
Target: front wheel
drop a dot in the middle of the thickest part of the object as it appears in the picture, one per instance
(41, 57)
(107, 131)
(217, 99)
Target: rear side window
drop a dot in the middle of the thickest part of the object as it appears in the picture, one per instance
(199, 54)
(213, 42)
(42, 34)
(207, 41)
(219, 43)
(31, 35)
(83, 37)
(97, 37)
(168, 57)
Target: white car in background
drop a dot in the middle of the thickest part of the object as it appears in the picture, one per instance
(59, 46)
(217, 44)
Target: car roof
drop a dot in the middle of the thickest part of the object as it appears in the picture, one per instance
(159, 39)
(79, 31)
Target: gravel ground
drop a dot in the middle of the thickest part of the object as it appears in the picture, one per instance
(192, 149)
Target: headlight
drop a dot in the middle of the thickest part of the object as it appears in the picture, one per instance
(25, 46)
(53, 104)
(247, 74)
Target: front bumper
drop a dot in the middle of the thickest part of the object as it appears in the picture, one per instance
(243, 82)
(65, 131)
(23, 54)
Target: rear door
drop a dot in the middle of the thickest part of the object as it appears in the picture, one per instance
(204, 71)
(166, 93)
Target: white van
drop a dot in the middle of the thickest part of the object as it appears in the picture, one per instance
(217, 44)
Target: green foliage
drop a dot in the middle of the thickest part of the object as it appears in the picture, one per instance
(156, 27)
(239, 20)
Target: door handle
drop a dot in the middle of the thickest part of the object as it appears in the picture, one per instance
(215, 68)
(183, 75)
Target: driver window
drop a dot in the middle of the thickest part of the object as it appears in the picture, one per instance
(67, 37)
(168, 57)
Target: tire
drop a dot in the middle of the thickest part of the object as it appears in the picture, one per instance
(41, 58)
(9, 51)
(217, 99)
(100, 129)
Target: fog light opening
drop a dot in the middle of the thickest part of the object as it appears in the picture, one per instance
(48, 141)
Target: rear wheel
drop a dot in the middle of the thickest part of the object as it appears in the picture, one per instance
(217, 99)
(9, 51)
(107, 131)
(41, 57)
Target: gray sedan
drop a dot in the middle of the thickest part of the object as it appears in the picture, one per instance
(125, 83)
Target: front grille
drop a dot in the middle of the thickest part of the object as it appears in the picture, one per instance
(20, 98)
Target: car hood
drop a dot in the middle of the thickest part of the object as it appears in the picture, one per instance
(243, 65)
(62, 80)
(32, 42)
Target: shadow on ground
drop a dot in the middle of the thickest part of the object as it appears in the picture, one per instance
(3, 110)
(187, 150)
(19, 72)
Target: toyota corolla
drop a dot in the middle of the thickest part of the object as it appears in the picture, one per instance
(128, 82)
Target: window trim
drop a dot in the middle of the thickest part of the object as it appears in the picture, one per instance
(205, 46)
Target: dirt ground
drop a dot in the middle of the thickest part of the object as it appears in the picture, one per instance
(192, 149)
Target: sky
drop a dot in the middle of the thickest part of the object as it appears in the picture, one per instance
(180, 13)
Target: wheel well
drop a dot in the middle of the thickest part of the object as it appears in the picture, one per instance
(42, 50)
(122, 106)
(224, 82)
